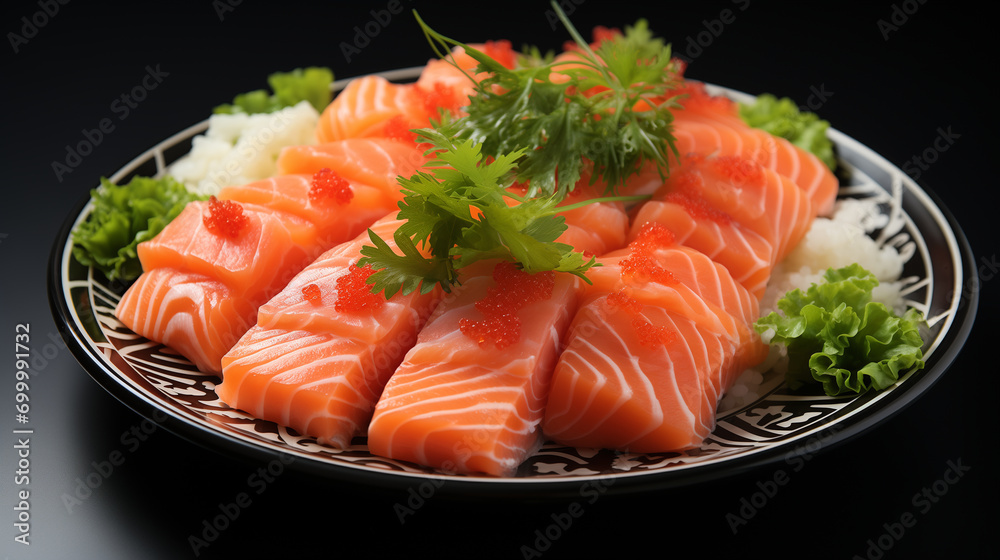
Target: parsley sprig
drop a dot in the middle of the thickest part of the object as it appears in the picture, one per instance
(461, 214)
(574, 115)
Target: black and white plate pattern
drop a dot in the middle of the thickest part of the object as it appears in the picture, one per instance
(160, 384)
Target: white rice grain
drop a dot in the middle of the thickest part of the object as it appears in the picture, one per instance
(239, 148)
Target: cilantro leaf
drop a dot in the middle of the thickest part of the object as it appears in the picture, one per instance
(463, 213)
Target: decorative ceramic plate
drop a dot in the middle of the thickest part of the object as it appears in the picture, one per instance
(162, 385)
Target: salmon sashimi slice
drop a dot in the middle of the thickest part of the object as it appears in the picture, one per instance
(470, 395)
(281, 229)
(253, 264)
(744, 216)
(454, 78)
(193, 314)
(372, 106)
(693, 98)
(644, 369)
(373, 161)
(336, 220)
(320, 384)
(368, 104)
(699, 134)
(290, 309)
(741, 189)
(596, 228)
(322, 349)
(746, 255)
(618, 390)
(655, 270)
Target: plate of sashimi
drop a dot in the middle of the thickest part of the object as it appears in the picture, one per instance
(511, 268)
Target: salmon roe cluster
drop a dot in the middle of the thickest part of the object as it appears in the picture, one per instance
(354, 295)
(311, 293)
(698, 208)
(623, 300)
(398, 128)
(327, 185)
(225, 218)
(440, 96)
(695, 97)
(641, 262)
(514, 289)
(649, 334)
(739, 171)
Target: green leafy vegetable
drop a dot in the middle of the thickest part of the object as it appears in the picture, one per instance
(783, 118)
(310, 84)
(566, 115)
(460, 215)
(838, 337)
(124, 216)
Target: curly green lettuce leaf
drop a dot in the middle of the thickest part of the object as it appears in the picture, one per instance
(837, 337)
(289, 88)
(124, 216)
(782, 117)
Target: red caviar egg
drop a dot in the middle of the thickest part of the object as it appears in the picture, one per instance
(354, 294)
(312, 293)
(225, 218)
(327, 185)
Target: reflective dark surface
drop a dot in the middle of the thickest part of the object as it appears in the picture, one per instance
(104, 483)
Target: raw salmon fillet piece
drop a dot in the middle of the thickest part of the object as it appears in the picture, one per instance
(315, 366)
(191, 313)
(659, 336)
(734, 210)
(251, 264)
(461, 401)
(746, 255)
(698, 134)
(373, 161)
(372, 106)
(335, 221)
(285, 230)
(596, 228)
(367, 105)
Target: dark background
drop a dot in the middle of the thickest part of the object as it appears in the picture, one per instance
(891, 88)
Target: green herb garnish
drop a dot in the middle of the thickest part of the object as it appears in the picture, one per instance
(838, 337)
(461, 214)
(124, 216)
(310, 84)
(568, 115)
